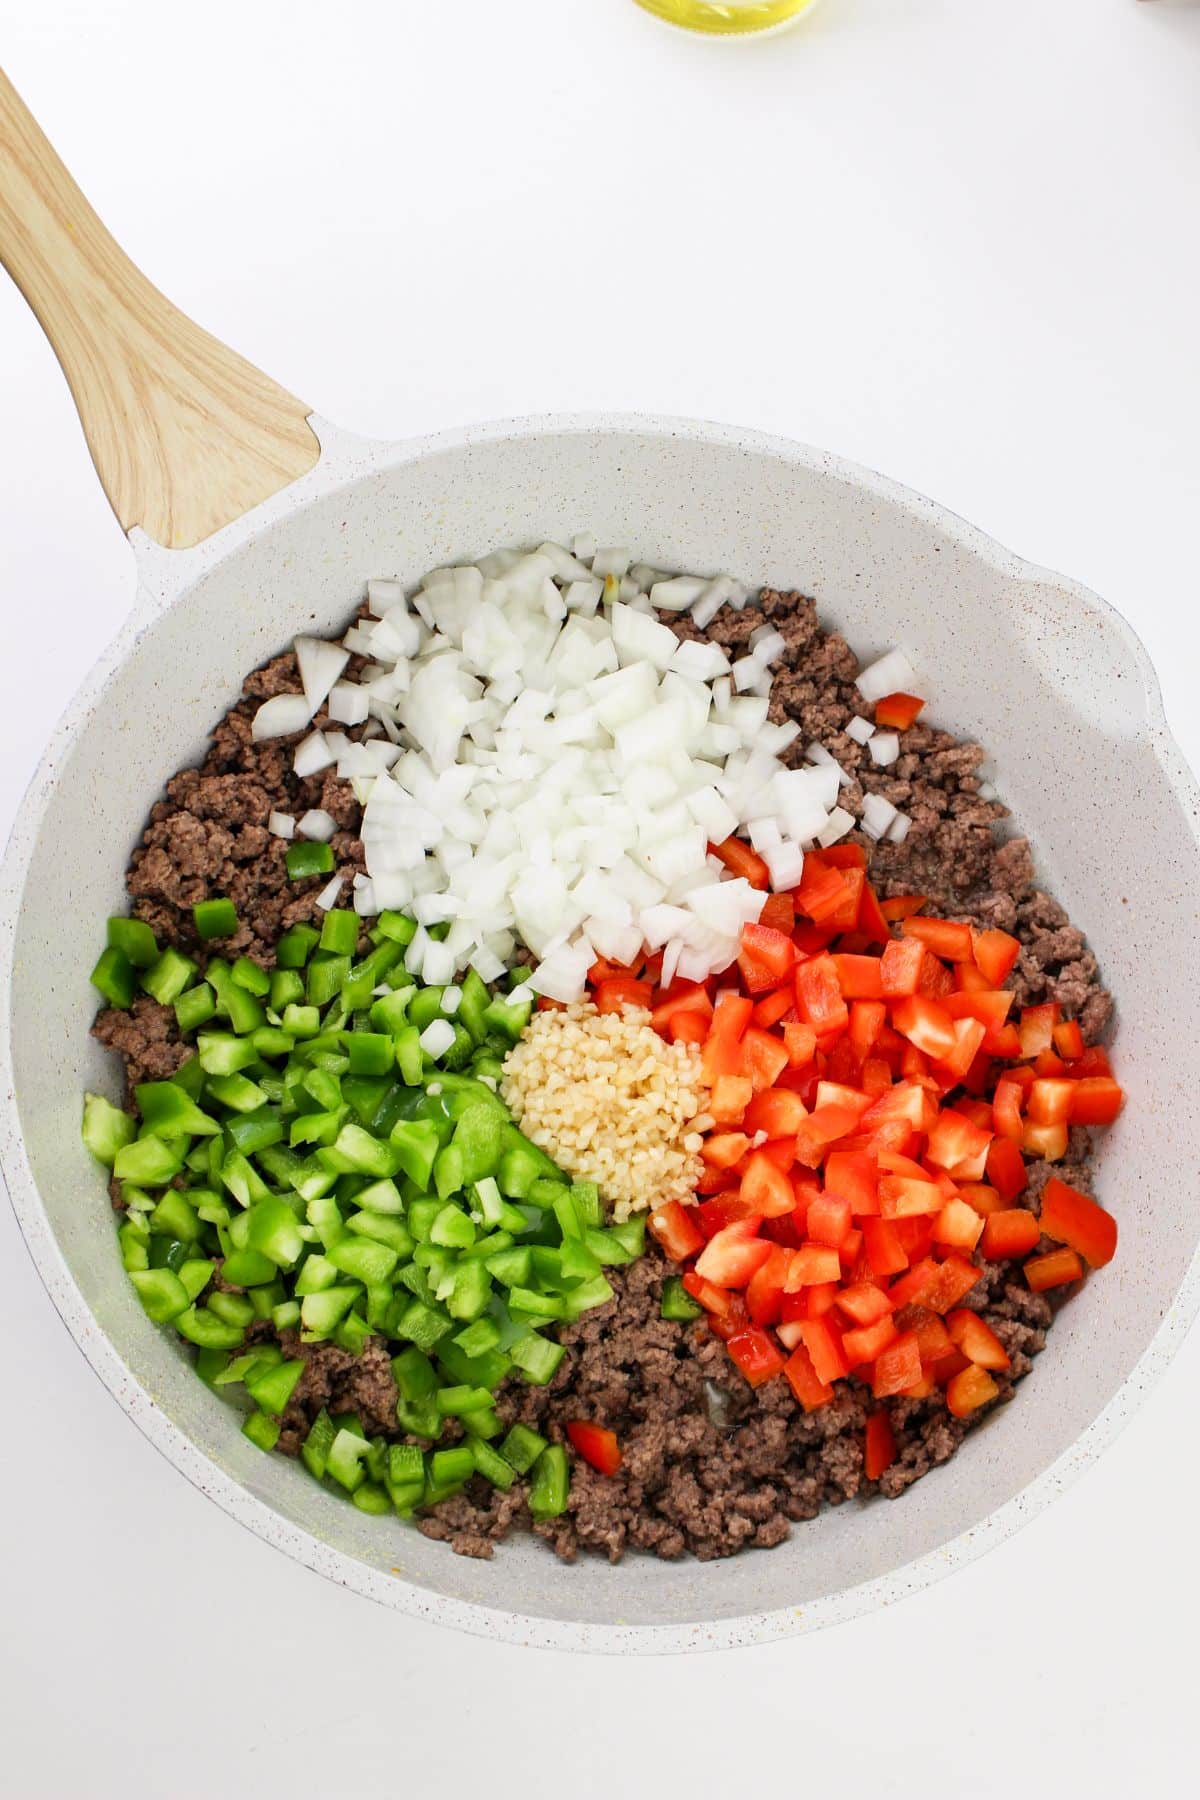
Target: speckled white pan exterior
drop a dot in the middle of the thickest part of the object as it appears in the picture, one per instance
(1044, 673)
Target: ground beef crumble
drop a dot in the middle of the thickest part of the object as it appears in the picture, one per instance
(710, 1466)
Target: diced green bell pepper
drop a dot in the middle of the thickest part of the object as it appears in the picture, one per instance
(114, 976)
(215, 918)
(550, 1483)
(106, 1129)
(134, 939)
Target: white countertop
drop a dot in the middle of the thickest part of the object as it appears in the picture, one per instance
(952, 239)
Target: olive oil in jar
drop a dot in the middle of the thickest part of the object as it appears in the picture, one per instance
(729, 18)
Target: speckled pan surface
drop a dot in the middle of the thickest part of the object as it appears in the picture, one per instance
(1044, 673)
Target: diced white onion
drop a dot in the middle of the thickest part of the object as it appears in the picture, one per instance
(877, 815)
(320, 663)
(349, 703)
(312, 755)
(329, 893)
(437, 1037)
(884, 748)
(451, 1000)
(281, 717)
(889, 674)
(281, 825)
(859, 729)
(839, 823)
(317, 824)
(898, 829)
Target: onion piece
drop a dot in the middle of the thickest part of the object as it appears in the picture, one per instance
(281, 716)
(317, 825)
(328, 895)
(888, 674)
(281, 825)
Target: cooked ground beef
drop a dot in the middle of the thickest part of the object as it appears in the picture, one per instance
(710, 1465)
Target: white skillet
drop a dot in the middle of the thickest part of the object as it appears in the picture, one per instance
(250, 521)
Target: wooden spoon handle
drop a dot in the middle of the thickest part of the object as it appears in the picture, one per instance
(186, 435)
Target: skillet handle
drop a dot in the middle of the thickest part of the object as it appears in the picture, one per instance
(185, 434)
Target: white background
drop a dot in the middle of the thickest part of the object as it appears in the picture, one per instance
(953, 239)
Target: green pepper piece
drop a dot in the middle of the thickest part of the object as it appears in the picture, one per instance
(576, 1261)
(677, 1303)
(423, 1325)
(248, 1268)
(363, 1260)
(135, 1251)
(478, 1338)
(113, 975)
(295, 946)
(316, 1274)
(325, 977)
(410, 1058)
(168, 1112)
(274, 1231)
(506, 1019)
(202, 1327)
(370, 1053)
(382, 1229)
(339, 931)
(512, 1268)
(237, 1092)
(195, 1008)
(550, 1483)
(395, 926)
(135, 940)
(486, 1371)
(151, 1161)
(352, 1334)
(195, 1274)
(175, 1218)
(286, 987)
(307, 859)
(416, 1144)
(259, 1130)
(272, 1389)
(161, 1293)
(478, 1137)
(447, 1467)
(325, 1216)
(209, 1364)
(261, 1430)
(490, 1463)
(536, 1357)
(471, 1293)
(247, 974)
(389, 1012)
(168, 976)
(452, 1401)
(106, 1129)
(320, 1314)
(301, 1021)
(314, 1451)
(215, 918)
(521, 1448)
(595, 1291)
(220, 1053)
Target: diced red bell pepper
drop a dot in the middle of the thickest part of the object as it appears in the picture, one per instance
(996, 953)
(731, 1095)
(1049, 1102)
(843, 856)
(902, 906)
(1013, 1232)
(970, 1389)
(730, 1258)
(777, 1111)
(977, 1340)
(1068, 1039)
(1075, 1219)
(765, 1187)
(864, 1303)
(764, 1294)
(925, 1023)
(829, 1220)
(955, 1279)
(1054, 1269)
(958, 1225)
(621, 991)
(854, 1176)
(722, 1149)
(819, 999)
(734, 1319)
(879, 1445)
(1094, 1061)
(810, 1265)
(872, 921)
(1006, 1109)
(756, 1355)
(779, 912)
(596, 1444)
(820, 1129)
(687, 1028)
(683, 997)
(1095, 1100)
(800, 1042)
(722, 1210)
(825, 894)
(981, 1196)
(773, 1007)
(1046, 1141)
(867, 1019)
(674, 1227)
(823, 1341)
(896, 712)
(955, 1141)
(900, 967)
(901, 1197)
(884, 1251)
(1006, 1168)
(947, 939)
(916, 1234)
(764, 1058)
(818, 1298)
(908, 1101)
(897, 1366)
(865, 1342)
(1037, 1028)
(858, 976)
(1048, 1063)
(740, 859)
(715, 1300)
(801, 1377)
(765, 951)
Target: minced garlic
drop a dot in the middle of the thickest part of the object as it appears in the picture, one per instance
(612, 1102)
